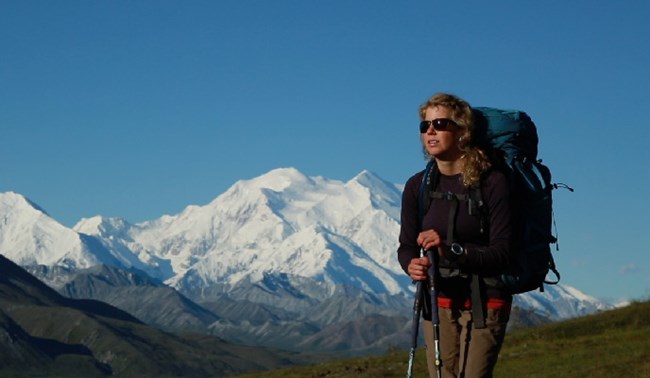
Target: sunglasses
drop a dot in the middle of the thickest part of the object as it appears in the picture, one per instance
(439, 124)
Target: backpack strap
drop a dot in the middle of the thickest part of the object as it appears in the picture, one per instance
(453, 210)
(424, 199)
(475, 207)
(478, 302)
(552, 268)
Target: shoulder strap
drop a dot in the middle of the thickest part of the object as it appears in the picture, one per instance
(476, 206)
(428, 181)
(453, 211)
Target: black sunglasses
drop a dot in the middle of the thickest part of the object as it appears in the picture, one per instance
(439, 124)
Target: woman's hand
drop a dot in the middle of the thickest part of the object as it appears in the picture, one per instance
(429, 239)
(417, 269)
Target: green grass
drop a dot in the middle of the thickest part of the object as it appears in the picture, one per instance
(610, 344)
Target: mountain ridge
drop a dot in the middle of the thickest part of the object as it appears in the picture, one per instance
(280, 242)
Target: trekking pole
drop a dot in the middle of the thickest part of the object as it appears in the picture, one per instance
(417, 309)
(435, 318)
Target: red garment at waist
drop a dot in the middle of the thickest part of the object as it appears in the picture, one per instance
(492, 303)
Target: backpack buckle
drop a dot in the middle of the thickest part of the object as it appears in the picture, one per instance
(449, 196)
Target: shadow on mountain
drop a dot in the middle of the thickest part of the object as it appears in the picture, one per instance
(23, 355)
(138, 294)
(45, 334)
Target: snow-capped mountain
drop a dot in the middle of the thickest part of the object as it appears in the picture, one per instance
(30, 236)
(560, 302)
(282, 237)
(281, 222)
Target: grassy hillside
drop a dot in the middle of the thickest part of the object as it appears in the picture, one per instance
(610, 344)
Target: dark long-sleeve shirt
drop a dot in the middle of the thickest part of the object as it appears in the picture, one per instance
(488, 253)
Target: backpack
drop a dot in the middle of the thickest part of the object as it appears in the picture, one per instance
(510, 138)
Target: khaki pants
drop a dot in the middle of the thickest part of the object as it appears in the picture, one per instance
(466, 352)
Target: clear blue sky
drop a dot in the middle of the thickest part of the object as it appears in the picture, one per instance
(137, 109)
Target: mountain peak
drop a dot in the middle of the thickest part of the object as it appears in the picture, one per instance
(18, 201)
(280, 179)
(382, 192)
(368, 179)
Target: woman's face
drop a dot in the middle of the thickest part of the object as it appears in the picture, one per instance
(443, 145)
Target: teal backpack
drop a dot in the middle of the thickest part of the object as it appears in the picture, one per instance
(510, 137)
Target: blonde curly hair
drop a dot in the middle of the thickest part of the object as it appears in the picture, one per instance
(475, 160)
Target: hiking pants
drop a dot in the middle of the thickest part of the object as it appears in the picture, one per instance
(466, 352)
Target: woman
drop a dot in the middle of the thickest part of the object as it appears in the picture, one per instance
(476, 253)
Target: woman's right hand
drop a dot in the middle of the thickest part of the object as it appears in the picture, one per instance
(418, 267)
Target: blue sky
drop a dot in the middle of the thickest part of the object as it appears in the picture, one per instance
(139, 108)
